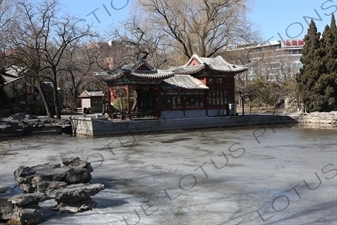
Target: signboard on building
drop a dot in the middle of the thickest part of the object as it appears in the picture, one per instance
(292, 43)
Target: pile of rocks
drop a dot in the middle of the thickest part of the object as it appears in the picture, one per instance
(68, 185)
(22, 123)
(22, 208)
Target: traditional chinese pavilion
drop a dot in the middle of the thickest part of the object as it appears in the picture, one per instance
(202, 87)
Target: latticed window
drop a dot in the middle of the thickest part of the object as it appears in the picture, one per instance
(167, 102)
(219, 97)
(216, 81)
(194, 101)
(172, 102)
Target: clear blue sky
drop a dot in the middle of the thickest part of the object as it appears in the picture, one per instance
(289, 17)
(100, 13)
(274, 18)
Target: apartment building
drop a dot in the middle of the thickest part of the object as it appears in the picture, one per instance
(273, 60)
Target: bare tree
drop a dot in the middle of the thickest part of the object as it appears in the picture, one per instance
(204, 27)
(78, 63)
(6, 8)
(135, 39)
(247, 91)
(40, 41)
(7, 13)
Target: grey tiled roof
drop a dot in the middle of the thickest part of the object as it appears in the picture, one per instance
(15, 70)
(13, 73)
(159, 74)
(175, 77)
(183, 81)
(217, 63)
(189, 69)
(10, 79)
(132, 70)
(92, 93)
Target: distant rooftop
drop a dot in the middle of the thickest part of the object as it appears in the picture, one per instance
(13, 73)
(90, 93)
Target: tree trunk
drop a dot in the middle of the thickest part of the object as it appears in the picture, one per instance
(56, 103)
(56, 97)
(243, 106)
(44, 100)
(74, 100)
(250, 107)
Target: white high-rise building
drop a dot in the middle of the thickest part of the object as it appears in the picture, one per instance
(273, 60)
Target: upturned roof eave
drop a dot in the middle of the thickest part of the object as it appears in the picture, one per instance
(175, 87)
(229, 71)
(149, 76)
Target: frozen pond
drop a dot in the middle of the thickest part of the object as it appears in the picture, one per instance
(257, 175)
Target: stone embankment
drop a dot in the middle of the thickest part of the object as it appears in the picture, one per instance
(21, 124)
(100, 126)
(68, 185)
(317, 118)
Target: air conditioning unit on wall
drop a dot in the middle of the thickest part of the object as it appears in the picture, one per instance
(222, 112)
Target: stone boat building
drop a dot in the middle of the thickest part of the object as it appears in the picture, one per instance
(200, 88)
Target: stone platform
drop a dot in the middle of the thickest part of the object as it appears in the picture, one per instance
(102, 126)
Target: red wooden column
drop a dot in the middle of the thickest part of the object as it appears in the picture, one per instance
(109, 99)
(128, 101)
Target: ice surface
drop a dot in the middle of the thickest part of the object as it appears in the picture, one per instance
(256, 175)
